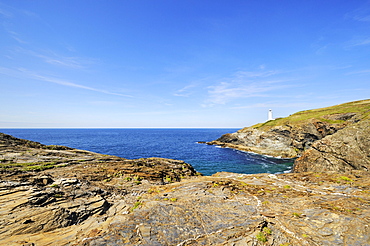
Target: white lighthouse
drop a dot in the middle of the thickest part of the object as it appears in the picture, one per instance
(270, 115)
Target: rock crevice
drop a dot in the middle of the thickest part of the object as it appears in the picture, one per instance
(343, 151)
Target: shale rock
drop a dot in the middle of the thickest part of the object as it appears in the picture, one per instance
(287, 141)
(223, 209)
(294, 135)
(343, 151)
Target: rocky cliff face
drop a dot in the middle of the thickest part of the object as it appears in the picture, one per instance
(287, 141)
(62, 196)
(333, 138)
(343, 151)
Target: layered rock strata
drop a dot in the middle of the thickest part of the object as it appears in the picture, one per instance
(94, 199)
(343, 151)
(329, 139)
(224, 209)
(286, 141)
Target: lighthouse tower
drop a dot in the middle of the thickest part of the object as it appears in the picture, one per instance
(270, 115)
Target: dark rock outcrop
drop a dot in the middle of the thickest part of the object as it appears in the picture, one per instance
(343, 151)
(328, 139)
(287, 141)
(7, 140)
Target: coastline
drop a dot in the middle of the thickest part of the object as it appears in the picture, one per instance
(99, 199)
(256, 150)
(172, 144)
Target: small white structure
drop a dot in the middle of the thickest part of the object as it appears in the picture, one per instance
(270, 115)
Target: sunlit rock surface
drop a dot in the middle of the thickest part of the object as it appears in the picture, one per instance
(53, 195)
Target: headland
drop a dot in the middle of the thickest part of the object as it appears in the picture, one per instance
(55, 195)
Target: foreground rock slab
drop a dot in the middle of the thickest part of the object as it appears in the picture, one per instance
(223, 209)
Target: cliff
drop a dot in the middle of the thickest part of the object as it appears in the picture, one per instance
(54, 195)
(343, 151)
(294, 136)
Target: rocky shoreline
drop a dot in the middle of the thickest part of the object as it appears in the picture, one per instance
(334, 138)
(55, 195)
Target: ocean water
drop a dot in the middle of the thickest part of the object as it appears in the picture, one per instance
(180, 144)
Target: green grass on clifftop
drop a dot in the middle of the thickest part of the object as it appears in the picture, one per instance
(360, 108)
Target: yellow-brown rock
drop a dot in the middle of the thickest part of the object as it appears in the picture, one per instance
(84, 198)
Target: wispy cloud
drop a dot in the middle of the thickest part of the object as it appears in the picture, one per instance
(58, 60)
(29, 13)
(10, 72)
(364, 18)
(69, 84)
(24, 73)
(53, 58)
(102, 103)
(275, 105)
(72, 62)
(192, 87)
(5, 13)
(16, 37)
(185, 91)
(47, 55)
(361, 14)
(256, 74)
(224, 92)
(367, 71)
(359, 42)
(244, 84)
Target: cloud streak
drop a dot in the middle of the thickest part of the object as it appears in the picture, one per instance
(16, 37)
(24, 73)
(71, 84)
(244, 84)
(225, 92)
(362, 14)
(185, 91)
(359, 42)
(276, 105)
(359, 72)
(48, 56)
(53, 58)
(5, 13)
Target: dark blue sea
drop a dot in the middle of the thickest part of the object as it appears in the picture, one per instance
(180, 144)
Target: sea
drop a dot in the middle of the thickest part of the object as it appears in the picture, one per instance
(179, 144)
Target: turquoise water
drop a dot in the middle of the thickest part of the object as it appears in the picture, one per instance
(180, 144)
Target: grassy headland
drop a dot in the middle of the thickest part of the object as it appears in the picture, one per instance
(360, 109)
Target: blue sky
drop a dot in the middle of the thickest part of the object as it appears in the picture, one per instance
(166, 63)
